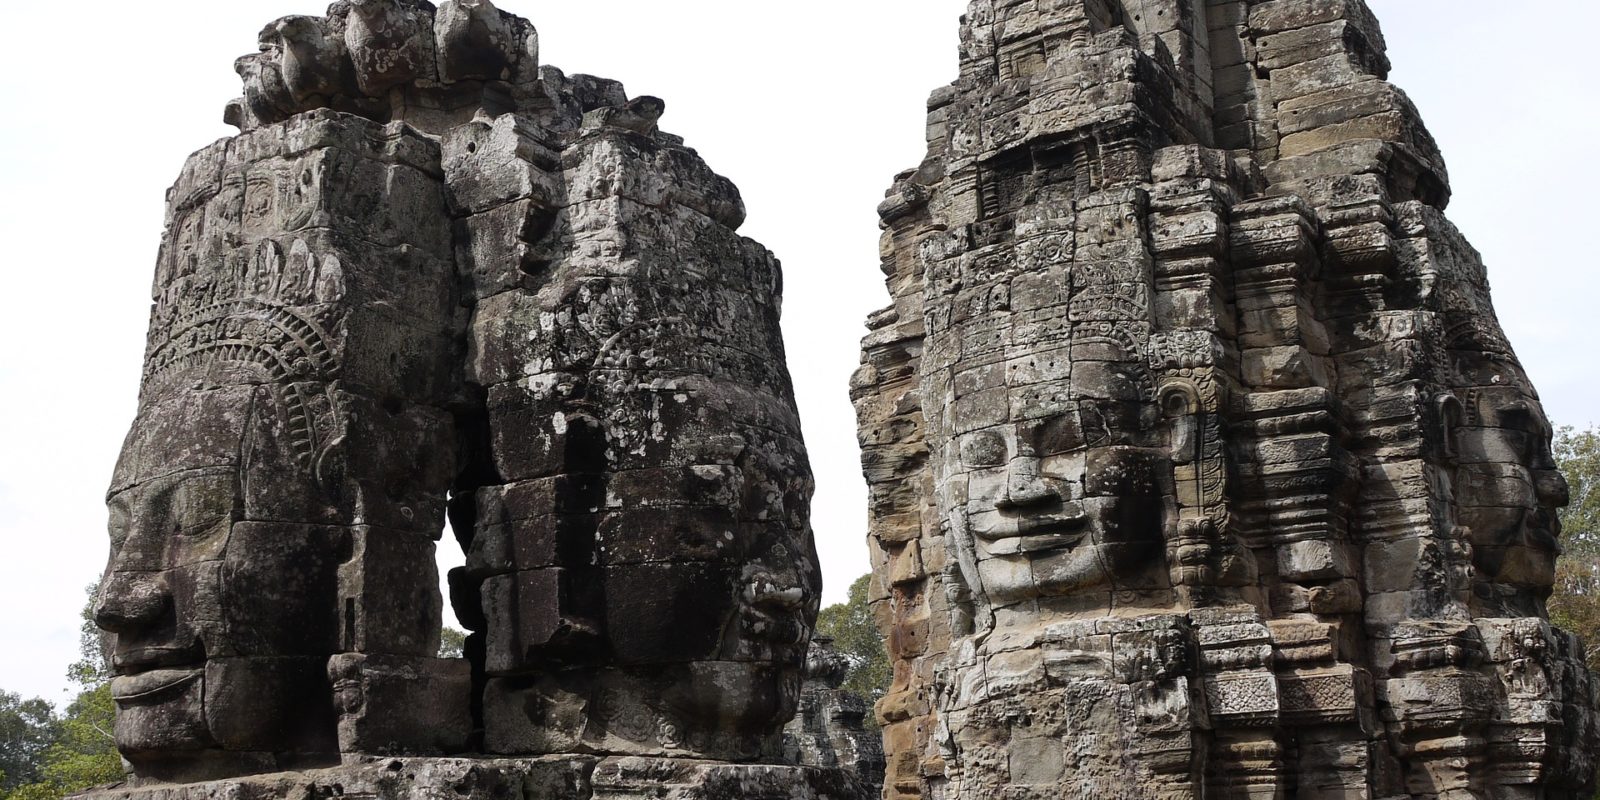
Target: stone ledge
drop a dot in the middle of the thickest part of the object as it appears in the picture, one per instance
(576, 777)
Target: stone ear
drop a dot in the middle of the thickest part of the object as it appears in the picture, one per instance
(1181, 407)
(963, 592)
(1448, 414)
(329, 467)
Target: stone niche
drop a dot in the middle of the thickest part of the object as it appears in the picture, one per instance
(1199, 465)
(434, 279)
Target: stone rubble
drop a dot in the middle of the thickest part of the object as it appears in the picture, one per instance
(1199, 465)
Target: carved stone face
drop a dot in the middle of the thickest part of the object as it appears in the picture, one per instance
(1509, 491)
(1063, 501)
(700, 539)
(746, 676)
(209, 614)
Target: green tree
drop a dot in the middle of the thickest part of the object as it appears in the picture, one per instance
(452, 643)
(1578, 455)
(81, 752)
(91, 669)
(856, 636)
(26, 729)
(1575, 603)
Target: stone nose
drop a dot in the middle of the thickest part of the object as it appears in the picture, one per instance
(130, 601)
(1025, 487)
(1552, 489)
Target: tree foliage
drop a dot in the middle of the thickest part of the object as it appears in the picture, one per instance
(92, 668)
(1575, 603)
(26, 728)
(452, 642)
(79, 751)
(1578, 455)
(82, 754)
(856, 636)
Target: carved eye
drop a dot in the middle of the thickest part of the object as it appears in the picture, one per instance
(1063, 434)
(984, 449)
(1517, 415)
(1529, 430)
(1095, 423)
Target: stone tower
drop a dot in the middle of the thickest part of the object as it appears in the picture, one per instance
(1199, 464)
(432, 277)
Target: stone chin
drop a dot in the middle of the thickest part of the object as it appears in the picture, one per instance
(160, 711)
(737, 697)
(772, 622)
(1522, 551)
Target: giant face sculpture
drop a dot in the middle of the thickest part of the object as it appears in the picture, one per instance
(1506, 489)
(289, 443)
(1049, 458)
(1061, 504)
(211, 615)
(1353, 604)
(1508, 492)
(618, 443)
(689, 577)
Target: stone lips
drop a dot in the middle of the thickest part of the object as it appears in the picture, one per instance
(431, 278)
(1199, 465)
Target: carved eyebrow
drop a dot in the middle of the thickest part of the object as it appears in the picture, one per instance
(984, 439)
(1523, 414)
(1059, 434)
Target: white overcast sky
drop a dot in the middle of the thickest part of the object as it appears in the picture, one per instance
(810, 108)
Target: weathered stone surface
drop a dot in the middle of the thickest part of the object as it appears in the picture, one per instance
(1198, 463)
(831, 728)
(431, 278)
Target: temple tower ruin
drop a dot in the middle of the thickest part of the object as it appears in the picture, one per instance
(1199, 464)
(434, 278)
